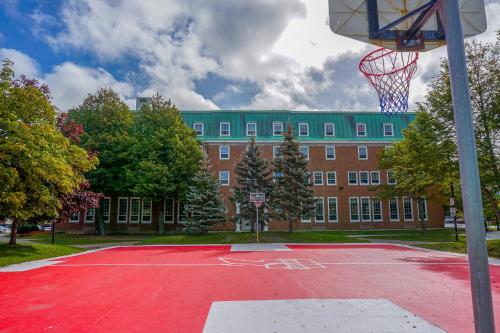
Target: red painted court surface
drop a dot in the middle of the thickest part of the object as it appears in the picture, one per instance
(171, 288)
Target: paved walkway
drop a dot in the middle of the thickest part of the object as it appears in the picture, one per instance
(493, 235)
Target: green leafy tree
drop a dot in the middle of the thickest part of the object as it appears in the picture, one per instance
(204, 204)
(253, 174)
(292, 196)
(37, 162)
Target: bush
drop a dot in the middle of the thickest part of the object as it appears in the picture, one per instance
(26, 228)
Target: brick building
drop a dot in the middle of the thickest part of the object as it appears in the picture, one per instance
(342, 149)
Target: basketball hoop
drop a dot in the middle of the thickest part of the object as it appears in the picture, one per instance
(257, 198)
(390, 72)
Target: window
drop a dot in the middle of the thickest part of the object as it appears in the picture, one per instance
(377, 209)
(122, 210)
(182, 213)
(105, 207)
(393, 209)
(146, 211)
(354, 209)
(365, 209)
(363, 178)
(277, 176)
(224, 152)
(224, 178)
(318, 177)
(90, 215)
(422, 209)
(305, 219)
(303, 129)
(277, 128)
(304, 150)
(251, 129)
(375, 177)
(407, 209)
(330, 152)
(352, 178)
(390, 178)
(169, 211)
(329, 129)
(331, 178)
(361, 129)
(332, 210)
(320, 210)
(198, 128)
(135, 210)
(388, 130)
(225, 129)
(74, 217)
(362, 152)
(277, 152)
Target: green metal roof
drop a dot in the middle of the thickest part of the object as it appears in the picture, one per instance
(345, 124)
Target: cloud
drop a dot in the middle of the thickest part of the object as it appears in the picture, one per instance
(23, 64)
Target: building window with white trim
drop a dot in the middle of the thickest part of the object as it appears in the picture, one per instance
(362, 152)
(352, 178)
(365, 209)
(225, 128)
(329, 129)
(422, 208)
(146, 211)
(361, 129)
(303, 129)
(393, 209)
(105, 208)
(135, 210)
(330, 152)
(90, 215)
(407, 209)
(277, 152)
(375, 177)
(304, 150)
(354, 209)
(332, 209)
(122, 210)
(318, 177)
(320, 210)
(331, 178)
(224, 178)
(224, 152)
(277, 128)
(390, 178)
(199, 129)
(377, 209)
(74, 217)
(252, 129)
(168, 208)
(388, 129)
(182, 212)
(364, 178)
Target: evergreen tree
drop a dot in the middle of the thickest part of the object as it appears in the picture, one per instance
(253, 174)
(292, 196)
(204, 205)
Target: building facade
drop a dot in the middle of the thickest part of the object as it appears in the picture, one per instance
(341, 147)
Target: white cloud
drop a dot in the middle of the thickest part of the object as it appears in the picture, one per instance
(23, 64)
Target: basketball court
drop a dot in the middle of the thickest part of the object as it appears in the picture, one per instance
(243, 288)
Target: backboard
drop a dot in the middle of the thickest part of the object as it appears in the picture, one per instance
(384, 22)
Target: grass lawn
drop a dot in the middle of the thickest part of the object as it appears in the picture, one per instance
(28, 252)
(74, 239)
(461, 247)
(434, 235)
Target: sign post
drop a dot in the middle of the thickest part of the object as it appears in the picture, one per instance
(257, 198)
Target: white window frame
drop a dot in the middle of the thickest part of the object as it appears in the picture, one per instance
(426, 218)
(335, 176)
(228, 152)
(392, 129)
(134, 199)
(336, 220)
(70, 220)
(307, 129)
(276, 151)
(350, 211)
(314, 178)
(365, 130)
(371, 177)
(367, 178)
(86, 220)
(397, 209)
(359, 153)
(202, 128)
(165, 211)
(228, 128)
(323, 209)
(280, 123)
(104, 212)
(228, 177)
(150, 202)
(389, 178)
(326, 153)
(348, 178)
(361, 199)
(411, 209)
(333, 129)
(307, 148)
(118, 210)
(252, 123)
(373, 210)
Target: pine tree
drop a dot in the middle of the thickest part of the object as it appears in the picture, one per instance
(253, 174)
(204, 205)
(292, 196)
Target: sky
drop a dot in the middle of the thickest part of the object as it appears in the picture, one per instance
(202, 54)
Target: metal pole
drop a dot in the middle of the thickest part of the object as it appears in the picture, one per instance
(454, 212)
(469, 173)
(257, 222)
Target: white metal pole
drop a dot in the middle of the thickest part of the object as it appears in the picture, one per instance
(257, 222)
(469, 172)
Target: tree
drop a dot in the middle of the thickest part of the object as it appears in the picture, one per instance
(253, 174)
(292, 196)
(37, 162)
(204, 204)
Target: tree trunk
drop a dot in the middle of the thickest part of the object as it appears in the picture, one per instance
(493, 204)
(161, 217)
(421, 215)
(290, 225)
(13, 232)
